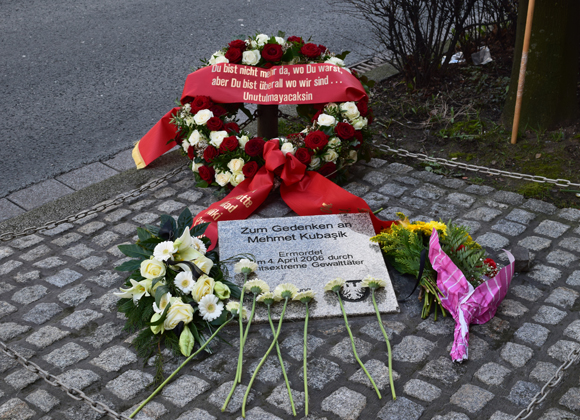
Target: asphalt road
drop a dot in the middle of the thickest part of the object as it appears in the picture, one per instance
(82, 80)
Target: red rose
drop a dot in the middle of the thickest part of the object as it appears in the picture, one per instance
(238, 43)
(229, 144)
(210, 153)
(358, 135)
(316, 140)
(250, 169)
(491, 263)
(315, 117)
(199, 103)
(255, 147)
(272, 52)
(206, 173)
(268, 65)
(310, 50)
(218, 110)
(327, 169)
(191, 152)
(303, 155)
(322, 48)
(345, 131)
(234, 55)
(215, 124)
(295, 39)
(362, 108)
(232, 127)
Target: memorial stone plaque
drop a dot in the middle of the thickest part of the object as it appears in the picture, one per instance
(309, 251)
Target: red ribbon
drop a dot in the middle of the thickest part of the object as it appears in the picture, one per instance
(306, 192)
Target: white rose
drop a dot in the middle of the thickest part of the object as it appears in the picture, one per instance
(202, 116)
(177, 313)
(280, 40)
(237, 177)
(326, 120)
(352, 155)
(334, 142)
(243, 140)
(330, 156)
(203, 263)
(217, 58)
(252, 44)
(350, 110)
(250, 57)
(216, 137)
(203, 286)
(195, 167)
(288, 148)
(223, 178)
(360, 123)
(236, 165)
(195, 137)
(314, 163)
(335, 60)
(185, 146)
(262, 39)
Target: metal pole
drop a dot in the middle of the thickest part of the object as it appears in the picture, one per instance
(268, 121)
(523, 65)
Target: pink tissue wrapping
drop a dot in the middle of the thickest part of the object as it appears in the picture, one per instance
(466, 304)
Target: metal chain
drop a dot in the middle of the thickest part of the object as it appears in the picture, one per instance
(482, 169)
(573, 357)
(72, 392)
(93, 210)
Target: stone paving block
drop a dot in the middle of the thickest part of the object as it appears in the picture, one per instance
(114, 358)
(58, 230)
(470, 224)
(39, 194)
(543, 372)
(513, 308)
(549, 315)
(445, 212)
(401, 409)
(376, 178)
(562, 296)
(551, 228)
(42, 313)
(498, 415)
(343, 350)
(571, 399)
(184, 390)
(257, 413)
(170, 207)
(129, 384)
(535, 243)
(561, 349)
(391, 328)
(45, 336)
(93, 262)
(275, 209)
(443, 326)
(79, 251)
(521, 216)
(522, 393)
(35, 253)
(573, 330)
(43, 400)
(443, 370)
(390, 213)
(422, 390)
(124, 228)
(218, 397)
(508, 228)
(429, 192)
(540, 206)
(9, 330)
(105, 239)
(508, 197)
(78, 378)
(5, 251)
(8, 266)
(407, 180)
(27, 277)
(529, 293)
(87, 175)
(50, 262)
(8, 210)
(492, 374)
(493, 241)
(122, 161)
(21, 378)
(270, 372)
(571, 244)
(427, 176)
(532, 334)
(6, 287)
(198, 414)
(516, 354)
(559, 257)
(393, 190)
(376, 163)
(412, 349)
(320, 372)
(357, 188)
(378, 371)
(413, 202)
(217, 367)
(81, 410)
(67, 355)
(63, 277)
(106, 278)
(398, 168)
(452, 415)
(479, 189)
(165, 193)
(67, 239)
(8, 363)
(484, 214)
(104, 334)
(496, 205)
(471, 398)
(141, 204)
(557, 414)
(572, 215)
(108, 301)
(26, 241)
(345, 403)
(152, 411)
(574, 279)
(80, 319)
(116, 215)
(16, 409)
(294, 343)
(6, 309)
(376, 200)
(453, 183)
(545, 274)
(75, 295)
(279, 399)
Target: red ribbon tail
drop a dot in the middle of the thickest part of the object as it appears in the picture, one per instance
(154, 143)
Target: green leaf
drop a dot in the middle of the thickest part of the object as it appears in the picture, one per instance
(166, 218)
(134, 251)
(221, 319)
(161, 290)
(186, 341)
(143, 234)
(202, 184)
(343, 55)
(198, 230)
(129, 265)
(305, 111)
(184, 221)
(162, 318)
(281, 34)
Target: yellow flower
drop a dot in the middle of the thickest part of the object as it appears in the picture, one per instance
(178, 312)
(203, 286)
(152, 268)
(334, 285)
(285, 291)
(257, 286)
(441, 228)
(372, 282)
(305, 296)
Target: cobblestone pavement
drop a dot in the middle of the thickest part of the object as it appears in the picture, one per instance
(57, 308)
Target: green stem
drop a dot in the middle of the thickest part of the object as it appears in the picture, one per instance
(388, 345)
(282, 363)
(246, 334)
(241, 353)
(354, 348)
(304, 361)
(274, 341)
(160, 387)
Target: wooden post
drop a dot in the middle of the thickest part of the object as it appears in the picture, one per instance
(268, 121)
(523, 64)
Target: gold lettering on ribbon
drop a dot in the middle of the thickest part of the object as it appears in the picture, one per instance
(326, 208)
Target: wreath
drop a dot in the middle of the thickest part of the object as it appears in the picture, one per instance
(223, 155)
